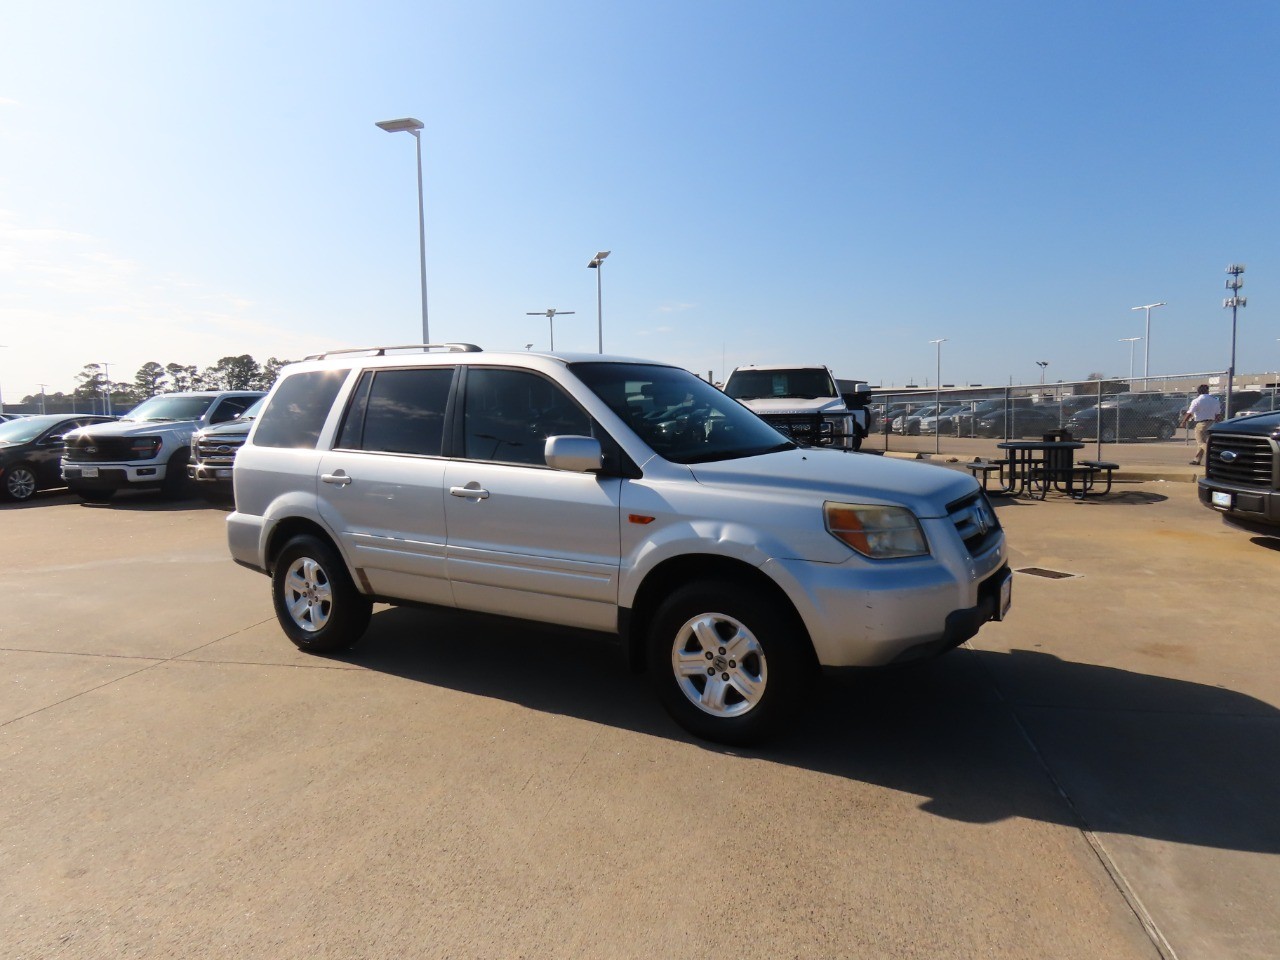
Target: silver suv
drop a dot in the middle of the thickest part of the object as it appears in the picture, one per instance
(621, 496)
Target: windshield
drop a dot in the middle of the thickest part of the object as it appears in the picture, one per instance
(800, 384)
(170, 408)
(255, 408)
(683, 419)
(26, 429)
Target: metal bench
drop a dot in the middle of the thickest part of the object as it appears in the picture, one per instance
(1094, 468)
(986, 468)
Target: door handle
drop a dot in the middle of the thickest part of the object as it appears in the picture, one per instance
(471, 490)
(341, 479)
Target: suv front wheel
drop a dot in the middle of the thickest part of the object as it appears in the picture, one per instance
(727, 666)
(315, 599)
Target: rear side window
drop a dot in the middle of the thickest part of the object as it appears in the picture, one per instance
(398, 411)
(297, 411)
(230, 408)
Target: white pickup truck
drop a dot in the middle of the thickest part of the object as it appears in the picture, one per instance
(149, 446)
(804, 403)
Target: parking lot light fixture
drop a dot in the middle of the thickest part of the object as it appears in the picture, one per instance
(551, 313)
(1235, 302)
(1130, 341)
(1042, 364)
(1146, 346)
(937, 395)
(411, 126)
(595, 263)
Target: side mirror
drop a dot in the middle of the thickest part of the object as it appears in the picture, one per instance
(53, 439)
(574, 454)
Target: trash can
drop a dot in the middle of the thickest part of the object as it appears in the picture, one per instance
(1058, 436)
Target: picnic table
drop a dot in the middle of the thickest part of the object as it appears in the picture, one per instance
(1038, 466)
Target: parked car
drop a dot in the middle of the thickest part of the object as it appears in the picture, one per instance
(31, 451)
(627, 498)
(1267, 403)
(213, 453)
(149, 446)
(6, 417)
(907, 422)
(1130, 416)
(802, 402)
(1013, 420)
(1242, 468)
(944, 421)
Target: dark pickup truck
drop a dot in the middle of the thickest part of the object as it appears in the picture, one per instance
(1242, 468)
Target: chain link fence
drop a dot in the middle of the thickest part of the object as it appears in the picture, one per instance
(1141, 409)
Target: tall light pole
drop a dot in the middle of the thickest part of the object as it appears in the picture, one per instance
(937, 397)
(1235, 302)
(1130, 341)
(5, 346)
(410, 125)
(42, 386)
(1042, 364)
(106, 385)
(595, 265)
(551, 313)
(1146, 347)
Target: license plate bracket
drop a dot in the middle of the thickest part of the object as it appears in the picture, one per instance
(1005, 597)
(1221, 499)
(89, 473)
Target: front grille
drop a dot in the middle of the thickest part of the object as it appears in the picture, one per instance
(975, 521)
(1242, 459)
(217, 451)
(808, 429)
(90, 449)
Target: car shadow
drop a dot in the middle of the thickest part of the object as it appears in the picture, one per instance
(980, 736)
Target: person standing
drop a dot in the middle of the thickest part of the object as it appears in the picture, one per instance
(1204, 412)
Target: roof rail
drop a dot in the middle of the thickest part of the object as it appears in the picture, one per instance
(382, 351)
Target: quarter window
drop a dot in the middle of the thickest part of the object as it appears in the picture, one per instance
(297, 410)
(510, 413)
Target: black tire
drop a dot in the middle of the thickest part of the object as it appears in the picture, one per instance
(1108, 435)
(176, 484)
(316, 602)
(1165, 431)
(777, 672)
(91, 495)
(19, 483)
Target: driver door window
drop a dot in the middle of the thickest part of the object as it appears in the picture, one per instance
(509, 414)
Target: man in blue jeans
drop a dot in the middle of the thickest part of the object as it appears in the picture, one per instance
(1204, 412)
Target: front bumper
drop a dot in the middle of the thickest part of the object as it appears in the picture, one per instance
(113, 476)
(1246, 503)
(866, 615)
(209, 474)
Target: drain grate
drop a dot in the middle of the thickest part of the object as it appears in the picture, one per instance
(1047, 574)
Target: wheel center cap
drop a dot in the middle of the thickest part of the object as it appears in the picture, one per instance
(721, 663)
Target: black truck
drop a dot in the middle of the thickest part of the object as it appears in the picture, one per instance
(1242, 468)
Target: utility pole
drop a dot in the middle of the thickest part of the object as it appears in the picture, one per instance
(1235, 302)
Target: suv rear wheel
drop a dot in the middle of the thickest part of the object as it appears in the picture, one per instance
(20, 482)
(726, 664)
(316, 602)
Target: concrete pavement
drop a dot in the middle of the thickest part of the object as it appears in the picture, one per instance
(1095, 777)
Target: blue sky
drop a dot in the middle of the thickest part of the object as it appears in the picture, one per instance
(800, 182)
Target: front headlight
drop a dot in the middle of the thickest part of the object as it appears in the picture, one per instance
(881, 533)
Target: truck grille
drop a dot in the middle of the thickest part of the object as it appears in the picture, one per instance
(91, 449)
(217, 451)
(1241, 459)
(807, 429)
(975, 521)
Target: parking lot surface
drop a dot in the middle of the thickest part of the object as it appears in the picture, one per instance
(1094, 777)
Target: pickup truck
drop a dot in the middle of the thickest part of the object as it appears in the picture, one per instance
(1242, 468)
(149, 446)
(803, 403)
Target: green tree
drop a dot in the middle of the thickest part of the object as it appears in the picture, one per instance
(149, 380)
(270, 372)
(91, 386)
(180, 377)
(233, 373)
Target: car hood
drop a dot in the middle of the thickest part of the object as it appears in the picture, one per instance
(121, 428)
(232, 428)
(1261, 425)
(778, 405)
(847, 477)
